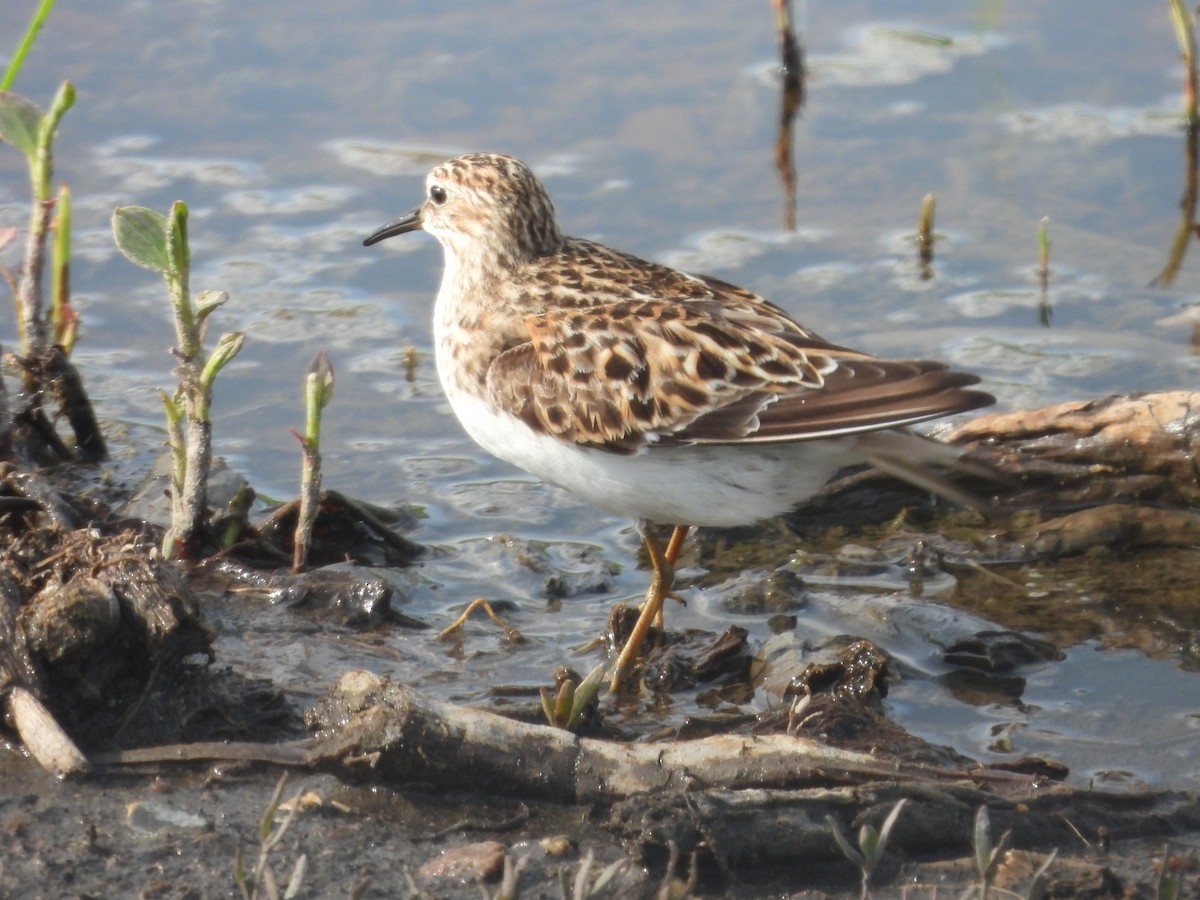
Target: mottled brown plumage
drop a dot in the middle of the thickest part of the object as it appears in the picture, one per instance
(665, 396)
(602, 349)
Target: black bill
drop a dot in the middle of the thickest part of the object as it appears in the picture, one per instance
(406, 223)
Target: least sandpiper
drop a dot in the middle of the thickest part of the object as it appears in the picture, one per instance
(670, 398)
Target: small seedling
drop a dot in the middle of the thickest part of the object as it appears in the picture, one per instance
(32, 132)
(1169, 883)
(871, 845)
(261, 881)
(567, 708)
(43, 349)
(318, 391)
(1039, 887)
(160, 243)
(987, 854)
(581, 887)
(64, 321)
(510, 880)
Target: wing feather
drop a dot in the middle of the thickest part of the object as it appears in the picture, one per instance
(629, 374)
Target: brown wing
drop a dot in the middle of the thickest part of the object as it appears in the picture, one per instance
(866, 395)
(629, 373)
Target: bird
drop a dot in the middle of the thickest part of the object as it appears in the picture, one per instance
(665, 397)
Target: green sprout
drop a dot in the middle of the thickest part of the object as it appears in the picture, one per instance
(45, 340)
(871, 845)
(581, 887)
(64, 321)
(160, 243)
(987, 854)
(31, 33)
(261, 881)
(318, 391)
(566, 708)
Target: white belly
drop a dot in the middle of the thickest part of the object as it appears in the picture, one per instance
(689, 485)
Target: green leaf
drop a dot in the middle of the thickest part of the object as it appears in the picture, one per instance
(178, 255)
(20, 122)
(141, 234)
(984, 851)
(868, 843)
(547, 706)
(63, 100)
(844, 845)
(885, 830)
(584, 693)
(207, 302)
(228, 346)
(562, 703)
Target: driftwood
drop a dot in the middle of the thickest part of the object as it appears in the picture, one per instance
(743, 799)
(1130, 460)
(744, 828)
(1122, 448)
(369, 728)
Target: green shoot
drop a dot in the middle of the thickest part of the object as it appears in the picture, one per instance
(64, 321)
(579, 887)
(1169, 883)
(160, 243)
(510, 880)
(871, 845)
(45, 340)
(32, 132)
(567, 708)
(1039, 887)
(318, 391)
(31, 33)
(270, 834)
(987, 854)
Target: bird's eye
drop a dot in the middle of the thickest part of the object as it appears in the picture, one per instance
(437, 194)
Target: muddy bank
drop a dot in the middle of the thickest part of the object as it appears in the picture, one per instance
(183, 751)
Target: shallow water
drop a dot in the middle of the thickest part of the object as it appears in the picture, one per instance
(293, 131)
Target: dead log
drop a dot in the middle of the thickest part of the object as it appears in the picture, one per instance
(743, 800)
(369, 727)
(1120, 448)
(756, 827)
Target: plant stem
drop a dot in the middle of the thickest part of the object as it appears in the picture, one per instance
(31, 33)
(318, 390)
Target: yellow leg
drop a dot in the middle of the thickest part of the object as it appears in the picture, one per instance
(661, 581)
(670, 555)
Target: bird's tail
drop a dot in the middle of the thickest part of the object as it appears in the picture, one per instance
(929, 465)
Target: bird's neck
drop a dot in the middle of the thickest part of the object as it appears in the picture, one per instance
(474, 321)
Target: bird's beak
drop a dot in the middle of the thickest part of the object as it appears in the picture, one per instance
(406, 223)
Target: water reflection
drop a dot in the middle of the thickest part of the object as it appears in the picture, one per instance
(791, 100)
(1188, 226)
